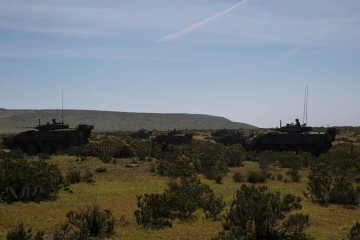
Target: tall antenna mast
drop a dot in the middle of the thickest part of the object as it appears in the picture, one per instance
(62, 105)
(307, 101)
(305, 106)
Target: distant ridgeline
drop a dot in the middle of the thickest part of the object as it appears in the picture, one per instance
(13, 121)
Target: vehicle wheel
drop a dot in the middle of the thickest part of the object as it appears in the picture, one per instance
(31, 149)
(61, 147)
(19, 147)
(47, 148)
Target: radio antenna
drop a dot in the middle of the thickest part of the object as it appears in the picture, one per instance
(62, 105)
(305, 105)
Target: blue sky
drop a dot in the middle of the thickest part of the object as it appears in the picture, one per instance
(248, 61)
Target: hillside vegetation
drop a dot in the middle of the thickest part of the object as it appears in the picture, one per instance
(11, 121)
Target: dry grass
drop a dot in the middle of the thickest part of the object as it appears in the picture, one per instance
(117, 188)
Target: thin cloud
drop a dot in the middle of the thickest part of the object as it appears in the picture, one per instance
(199, 24)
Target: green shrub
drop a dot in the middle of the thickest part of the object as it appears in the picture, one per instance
(218, 178)
(212, 163)
(238, 177)
(175, 166)
(73, 177)
(43, 156)
(194, 195)
(234, 157)
(355, 232)
(256, 177)
(257, 214)
(154, 211)
(343, 192)
(14, 154)
(279, 177)
(29, 180)
(90, 221)
(66, 231)
(294, 174)
(88, 177)
(106, 158)
(212, 205)
(113, 148)
(101, 169)
(181, 199)
(295, 178)
(319, 183)
(296, 224)
(21, 233)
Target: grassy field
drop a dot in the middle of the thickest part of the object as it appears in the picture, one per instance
(117, 188)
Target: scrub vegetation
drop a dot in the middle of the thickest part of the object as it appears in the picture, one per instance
(118, 187)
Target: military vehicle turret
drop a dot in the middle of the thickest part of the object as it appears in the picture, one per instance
(228, 136)
(49, 138)
(293, 137)
(142, 134)
(174, 137)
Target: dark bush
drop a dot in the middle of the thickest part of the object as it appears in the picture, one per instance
(211, 163)
(107, 147)
(212, 205)
(14, 154)
(343, 192)
(73, 177)
(256, 177)
(279, 177)
(66, 231)
(355, 232)
(218, 178)
(154, 211)
(181, 199)
(257, 214)
(169, 164)
(43, 156)
(294, 175)
(101, 169)
(195, 195)
(88, 177)
(319, 183)
(106, 158)
(21, 233)
(238, 177)
(234, 156)
(29, 180)
(90, 221)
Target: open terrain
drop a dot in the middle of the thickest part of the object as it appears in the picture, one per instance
(117, 189)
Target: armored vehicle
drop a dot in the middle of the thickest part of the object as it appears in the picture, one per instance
(293, 137)
(174, 137)
(49, 138)
(143, 134)
(228, 136)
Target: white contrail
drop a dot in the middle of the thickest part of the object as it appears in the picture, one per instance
(199, 24)
(299, 48)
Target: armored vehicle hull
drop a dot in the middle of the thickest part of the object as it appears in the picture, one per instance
(296, 138)
(49, 138)
(314, 143)
(228, 137)
(174, 137)
(142, 134)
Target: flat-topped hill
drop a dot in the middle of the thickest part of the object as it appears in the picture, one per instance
(12, 121)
